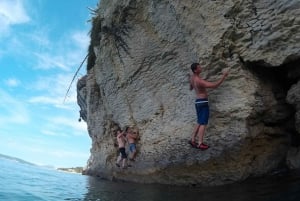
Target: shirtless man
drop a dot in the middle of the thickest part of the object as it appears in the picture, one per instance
(121, 139)
(132, 136)
(201, 103)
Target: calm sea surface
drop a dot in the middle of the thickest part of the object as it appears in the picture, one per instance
(23, 182)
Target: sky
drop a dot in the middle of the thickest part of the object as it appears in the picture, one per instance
(42, 44)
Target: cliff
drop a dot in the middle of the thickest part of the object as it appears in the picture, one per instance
(138, 67)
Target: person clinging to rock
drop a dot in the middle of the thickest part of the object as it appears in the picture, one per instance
(132, 137)
(121, 139)
(201, 103)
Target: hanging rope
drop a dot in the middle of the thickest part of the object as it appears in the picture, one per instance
(75, 77)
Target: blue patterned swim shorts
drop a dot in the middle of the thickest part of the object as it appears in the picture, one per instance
(202, 109)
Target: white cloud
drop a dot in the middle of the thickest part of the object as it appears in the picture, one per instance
(62, 157)
(68, 52)
(12, 110)
(67, 154)
(54, 89)
(12, 12)
(12, 82)
(81, 39)
(41, 48)
(70, 123)
(46, 100)
(45, 153)
(64, 126)
(47, 61)
(40, 37)
(52, 133)
(65, 56)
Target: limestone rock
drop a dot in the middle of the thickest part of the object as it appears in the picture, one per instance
(293, 98)
(293, 158)
(139, 77)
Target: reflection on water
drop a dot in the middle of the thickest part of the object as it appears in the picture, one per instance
(275, 188)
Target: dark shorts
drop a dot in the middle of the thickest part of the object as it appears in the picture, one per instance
(202, 110)
(123, 153)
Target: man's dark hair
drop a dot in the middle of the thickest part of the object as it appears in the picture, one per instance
(194, 66)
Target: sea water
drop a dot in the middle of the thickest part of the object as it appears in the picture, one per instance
(24, 182)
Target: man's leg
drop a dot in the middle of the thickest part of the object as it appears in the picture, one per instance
(201, 132)
(195, 132)
(133, 154)
(119, 160)
(124, 163)
(132, 149)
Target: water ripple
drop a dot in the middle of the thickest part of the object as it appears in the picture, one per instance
(23, 182)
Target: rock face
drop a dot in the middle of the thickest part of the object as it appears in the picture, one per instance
(140, 57)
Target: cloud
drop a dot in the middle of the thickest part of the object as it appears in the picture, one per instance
(81, 39)
(53, 90)
(45, 152)
(63, 126)
(13, 111)
(12, 82)
(67, 60)
(46, 100)
(61, 156)
(70, 123)
(67, 154)
(39, 37)
(48, 132)
(68, 52)
(46, 53)
(12, 12)
(47, 61)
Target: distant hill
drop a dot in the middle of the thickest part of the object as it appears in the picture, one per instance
(72, 170)
(16, 159)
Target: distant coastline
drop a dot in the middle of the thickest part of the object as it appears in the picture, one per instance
(16, 159)
(77, 170)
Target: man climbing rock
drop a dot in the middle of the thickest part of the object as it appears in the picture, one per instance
(132, 137)
(121, 139)
(201, 104)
